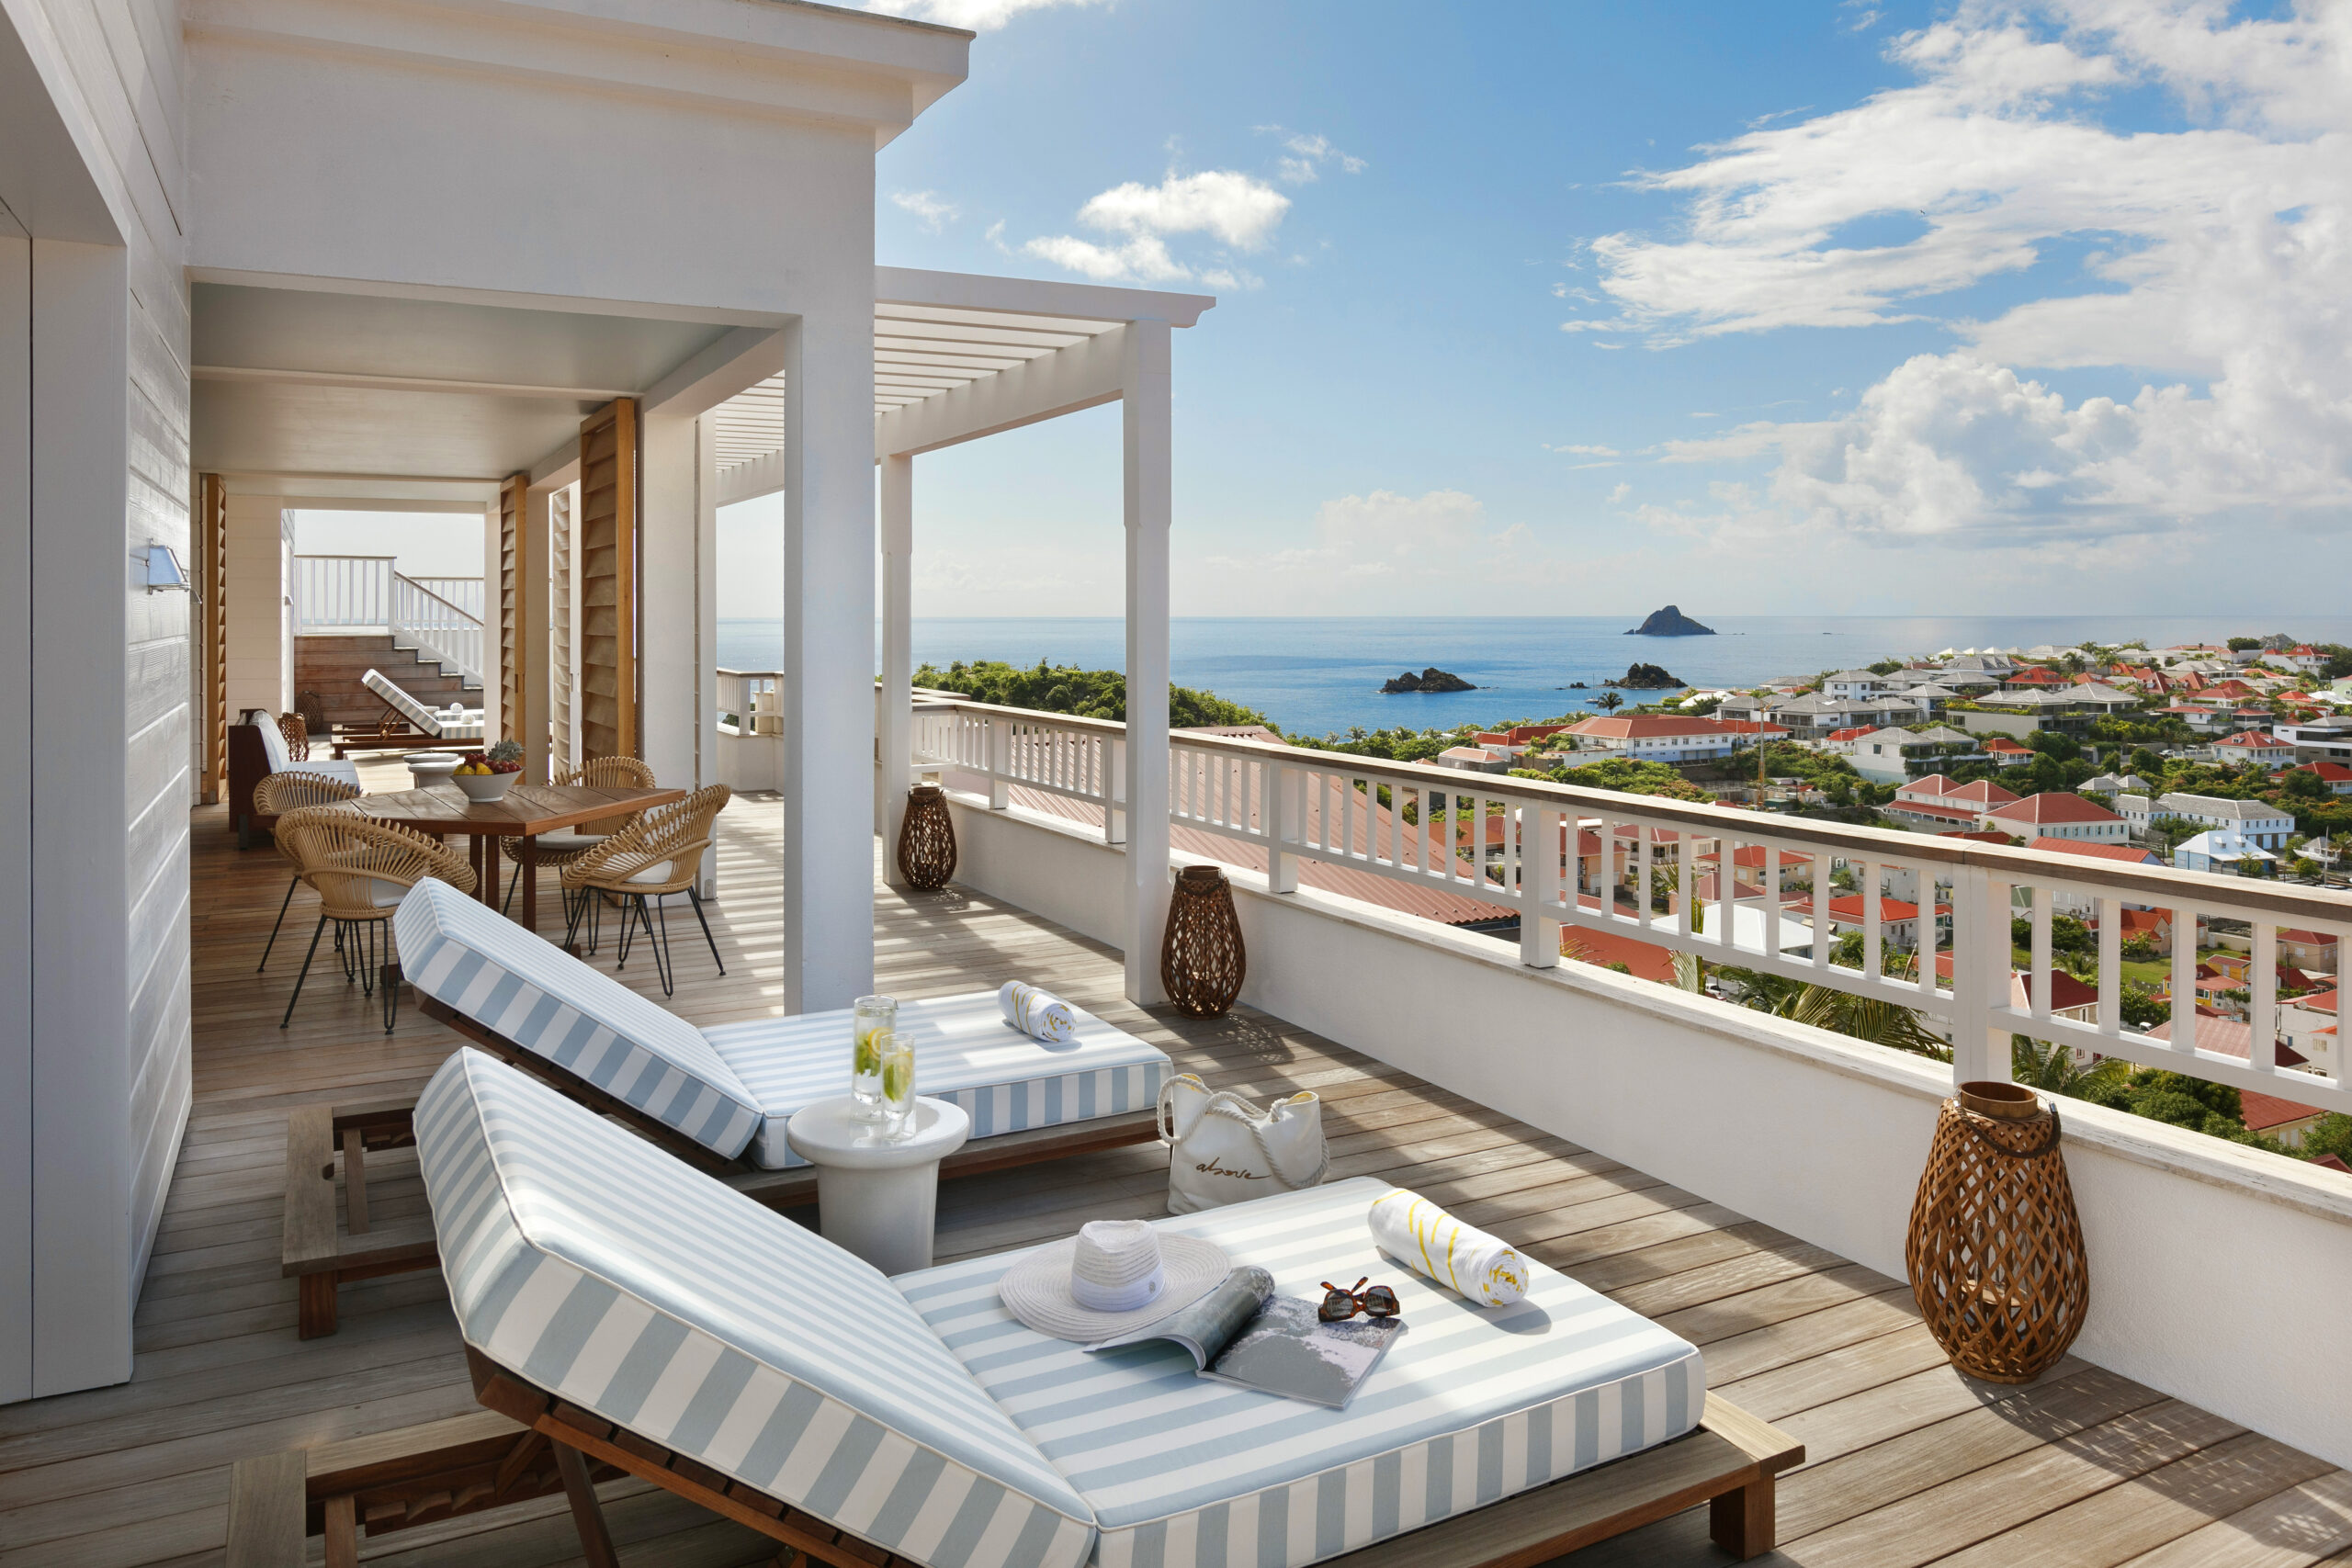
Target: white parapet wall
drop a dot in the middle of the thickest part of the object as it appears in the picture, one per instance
(2218, 1273)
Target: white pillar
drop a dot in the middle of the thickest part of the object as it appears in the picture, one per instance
(898, 753)
(829, 654)
(1145, 404)
(707, 628)
(671, 527)
(256, 604)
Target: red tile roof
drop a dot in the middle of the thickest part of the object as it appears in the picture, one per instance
(2053, 806)
(2002, 746)
(2333, 772)
(2233, 1037)
(2066, 991)
(2131, 854)
(2249, 737)
(1646, 724)
(2332, 1163)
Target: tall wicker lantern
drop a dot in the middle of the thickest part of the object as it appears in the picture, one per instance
(1996, 1249)
(927, 840)
(1201, 961)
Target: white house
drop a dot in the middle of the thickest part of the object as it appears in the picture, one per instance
(1660, 738)
(2253, 823)
(2252, 746)
(2057, 814)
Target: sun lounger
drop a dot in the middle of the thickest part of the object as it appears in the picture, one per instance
(437, 725)
(639, 1315)
(717, 1098)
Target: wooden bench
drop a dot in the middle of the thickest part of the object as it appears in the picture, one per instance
(527, 1443)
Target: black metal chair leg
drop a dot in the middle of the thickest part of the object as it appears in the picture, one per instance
(282, 907)
(390, 981)
(573, 910)
(696, 899)
(664, 963)
(366, 943)
(305, 975)
(628, 926)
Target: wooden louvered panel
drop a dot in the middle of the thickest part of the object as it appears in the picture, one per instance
(605, 538)
(559, 617)
(212, 575)
(514, 662)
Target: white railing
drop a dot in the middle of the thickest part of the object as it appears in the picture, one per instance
(439, 617)
(1506, 842)
(750, 695)
(342, 593)
(423, 620)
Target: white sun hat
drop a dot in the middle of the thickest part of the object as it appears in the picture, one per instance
(1114, 1276)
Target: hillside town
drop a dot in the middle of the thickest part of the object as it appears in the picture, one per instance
(2231, 760)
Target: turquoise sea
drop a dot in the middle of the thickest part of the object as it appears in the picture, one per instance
(1316, 675)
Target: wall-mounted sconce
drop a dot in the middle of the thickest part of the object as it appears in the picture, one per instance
(163, 571)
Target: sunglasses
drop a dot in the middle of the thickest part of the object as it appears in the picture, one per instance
(1339, 1305)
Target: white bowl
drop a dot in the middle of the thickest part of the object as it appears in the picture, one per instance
(484, 787)
(428, 768)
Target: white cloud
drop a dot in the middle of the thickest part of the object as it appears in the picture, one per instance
(2214, 259)
(1305, 157)
(1235, 209)
(1583, 451)
(980, 15)
(928, 208)
(1620, 493)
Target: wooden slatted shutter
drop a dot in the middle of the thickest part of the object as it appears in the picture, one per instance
(514, 656)
(604, 534)
(212, 577)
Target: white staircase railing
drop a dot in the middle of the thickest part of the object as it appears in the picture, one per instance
(440, 618)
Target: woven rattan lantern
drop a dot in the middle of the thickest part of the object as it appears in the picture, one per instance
(927, 840)
(1995, 1249)
(1201, 961)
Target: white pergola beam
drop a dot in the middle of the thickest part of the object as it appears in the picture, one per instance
(1083, 376)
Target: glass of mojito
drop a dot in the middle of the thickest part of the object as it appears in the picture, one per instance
(898, 1090)
(874, 1023)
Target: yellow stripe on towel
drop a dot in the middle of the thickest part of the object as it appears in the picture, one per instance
(1427, 1239)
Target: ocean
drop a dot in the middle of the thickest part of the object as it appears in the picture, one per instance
(1315, 675)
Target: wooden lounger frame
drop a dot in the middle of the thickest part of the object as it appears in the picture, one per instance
(324, 1251)
(527, 1443)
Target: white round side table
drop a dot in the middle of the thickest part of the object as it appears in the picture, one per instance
(430, 768)
(877, 1198)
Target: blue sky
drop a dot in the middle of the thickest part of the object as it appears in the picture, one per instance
(1578, 308)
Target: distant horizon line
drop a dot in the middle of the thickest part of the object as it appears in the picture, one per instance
(1940, 616)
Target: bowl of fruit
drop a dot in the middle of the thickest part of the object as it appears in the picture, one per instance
(488, 775)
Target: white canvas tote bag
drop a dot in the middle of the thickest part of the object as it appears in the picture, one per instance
(1222, 1149)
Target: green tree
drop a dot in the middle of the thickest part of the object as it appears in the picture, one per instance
(2303, 785)
(1609, 701)
(1086, 693)
(2051, 1068)
(1875, 1018)
(1629, 775)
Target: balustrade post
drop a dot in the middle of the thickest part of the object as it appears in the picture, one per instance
(999, 762)
(1114, 790)
(1539, 882)
(1980, 961)
(1282, 866)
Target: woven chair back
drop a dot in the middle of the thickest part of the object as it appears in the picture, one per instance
(278, 793)
(677, 833)
(295, 730)
(348, 860)
(610, 773)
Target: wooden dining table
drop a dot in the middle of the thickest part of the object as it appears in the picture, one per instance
(524, 813)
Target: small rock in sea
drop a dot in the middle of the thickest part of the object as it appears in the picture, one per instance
(1670, 622)
(1429, 679)
(1647, 678)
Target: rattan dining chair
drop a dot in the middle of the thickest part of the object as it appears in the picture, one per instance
(278, 793)
(360, 868)
(659, 854)
(557, 851)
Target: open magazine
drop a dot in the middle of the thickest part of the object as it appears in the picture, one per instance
(1243, 1333)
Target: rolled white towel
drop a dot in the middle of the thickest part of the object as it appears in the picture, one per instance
(1427, 1239)
(1038, 1013)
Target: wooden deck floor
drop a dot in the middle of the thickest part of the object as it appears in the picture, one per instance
(1909, 1462)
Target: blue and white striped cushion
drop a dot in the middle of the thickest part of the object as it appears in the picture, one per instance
(965, 1052)
(409, 708)
(1470, 1405)
(609, 1273)
(516, 984)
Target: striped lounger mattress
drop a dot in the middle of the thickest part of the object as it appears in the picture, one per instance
(732, 1088)
(914, 1411)
(1469, 1405)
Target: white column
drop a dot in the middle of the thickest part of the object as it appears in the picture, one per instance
(829, 654)
(670, 522)
(707, 627)
(898, 754)
(257, 590)
(1145, 407)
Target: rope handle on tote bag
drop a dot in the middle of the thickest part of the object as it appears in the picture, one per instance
(1225, 1102)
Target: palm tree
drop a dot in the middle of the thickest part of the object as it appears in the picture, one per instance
(1873, 1018)
(2051, 1068)
(1608, 702)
